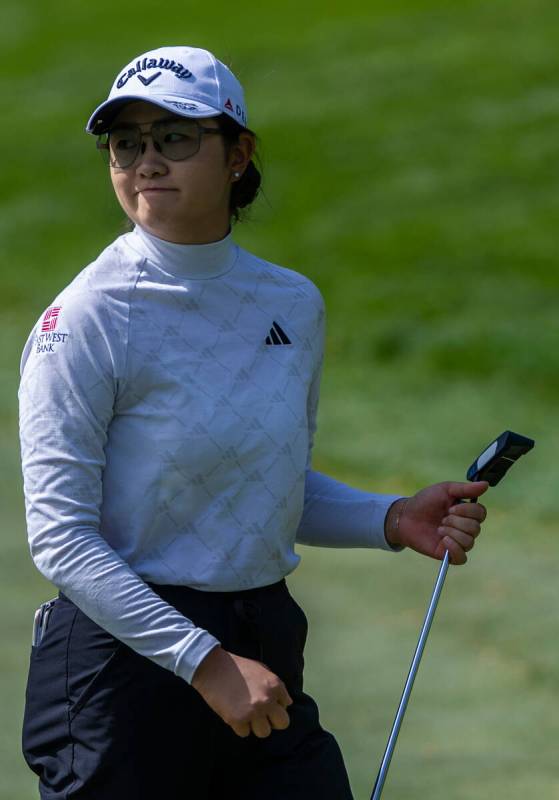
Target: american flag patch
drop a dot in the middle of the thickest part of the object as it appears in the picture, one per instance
(50, 318)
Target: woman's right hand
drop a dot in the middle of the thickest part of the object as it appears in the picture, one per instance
(244, 693)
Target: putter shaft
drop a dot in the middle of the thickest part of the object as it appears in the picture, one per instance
(385, 764)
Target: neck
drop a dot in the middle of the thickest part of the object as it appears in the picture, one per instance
(191, 260)
(199, 232)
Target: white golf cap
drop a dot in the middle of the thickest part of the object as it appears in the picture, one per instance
(184, 80)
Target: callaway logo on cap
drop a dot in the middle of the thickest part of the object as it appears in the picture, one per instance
(185, 80)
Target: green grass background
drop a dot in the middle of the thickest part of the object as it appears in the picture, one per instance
(410, 154)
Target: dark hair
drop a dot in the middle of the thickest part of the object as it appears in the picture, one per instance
(245, 190)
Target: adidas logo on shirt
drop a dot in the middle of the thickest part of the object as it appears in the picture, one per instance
(277, 336)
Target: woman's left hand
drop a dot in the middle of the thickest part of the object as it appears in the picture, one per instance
(434, 520)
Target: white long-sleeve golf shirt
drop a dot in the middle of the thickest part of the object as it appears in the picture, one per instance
(167, 408)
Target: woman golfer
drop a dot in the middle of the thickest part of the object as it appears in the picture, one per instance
(168, 404)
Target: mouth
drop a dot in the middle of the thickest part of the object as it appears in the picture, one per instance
(154, 190)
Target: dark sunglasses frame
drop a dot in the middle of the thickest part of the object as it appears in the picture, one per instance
(104, 146)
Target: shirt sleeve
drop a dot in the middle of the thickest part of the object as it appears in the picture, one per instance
(335, 514)
(72, 367)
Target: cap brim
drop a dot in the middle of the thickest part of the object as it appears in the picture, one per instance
(103, 116)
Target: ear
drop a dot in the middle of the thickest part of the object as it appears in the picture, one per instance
(241, 153)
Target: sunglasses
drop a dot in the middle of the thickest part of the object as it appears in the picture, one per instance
(176, 139)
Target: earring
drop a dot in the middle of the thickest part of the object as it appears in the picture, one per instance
(236, 174)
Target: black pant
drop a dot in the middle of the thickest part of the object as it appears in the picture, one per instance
(102, 722)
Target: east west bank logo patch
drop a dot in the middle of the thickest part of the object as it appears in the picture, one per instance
(50, 318)
(46, 340)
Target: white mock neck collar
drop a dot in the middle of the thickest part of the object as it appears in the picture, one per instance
(186, 260)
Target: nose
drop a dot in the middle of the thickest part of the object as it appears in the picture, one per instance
(150, 161)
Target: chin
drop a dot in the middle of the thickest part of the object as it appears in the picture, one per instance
(154, 221)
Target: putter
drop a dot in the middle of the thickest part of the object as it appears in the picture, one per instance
(491, 466)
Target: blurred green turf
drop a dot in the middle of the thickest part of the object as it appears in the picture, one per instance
(410, 162)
